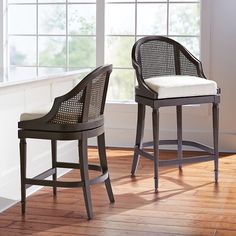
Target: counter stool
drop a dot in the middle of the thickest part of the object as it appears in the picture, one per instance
(168, 75)
(78, 115)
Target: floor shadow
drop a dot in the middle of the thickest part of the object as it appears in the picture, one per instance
(6, 203)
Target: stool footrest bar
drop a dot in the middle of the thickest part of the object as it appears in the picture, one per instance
(42, 176)
(40, 179)
(77, 166)
(184, 143)
(176, 161)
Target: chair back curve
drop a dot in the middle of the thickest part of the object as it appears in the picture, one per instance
(81, 108)
(162, 56)
(86, 101)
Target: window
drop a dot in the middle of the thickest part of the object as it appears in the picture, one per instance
(127, 21)
(50, 36)
(60, 35)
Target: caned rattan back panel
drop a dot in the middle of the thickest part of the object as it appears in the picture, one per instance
(162, 56)
(97, 92)
(70, 111)
(86, 101)
(186, 66)
(157, 59)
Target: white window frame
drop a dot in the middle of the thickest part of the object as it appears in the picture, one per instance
(100, 34)
(3, 34)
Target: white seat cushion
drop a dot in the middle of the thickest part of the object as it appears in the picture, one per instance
(181, 86)
(36, 112)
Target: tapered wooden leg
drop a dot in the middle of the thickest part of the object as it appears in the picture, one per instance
(23, 173)
(83, 158)
(179, 134)
(54, 161)
(103, 162)
(215, 116)
(139, 137)
(155, 126)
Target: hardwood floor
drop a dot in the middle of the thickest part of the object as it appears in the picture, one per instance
(188, 203)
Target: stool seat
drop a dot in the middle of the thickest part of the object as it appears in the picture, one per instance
(181, 86)
(36, 113)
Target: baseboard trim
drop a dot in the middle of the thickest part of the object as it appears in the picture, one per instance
(125, 138)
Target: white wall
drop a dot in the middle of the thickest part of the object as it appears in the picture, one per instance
(14, 100)
(223, 66)
(218, 56)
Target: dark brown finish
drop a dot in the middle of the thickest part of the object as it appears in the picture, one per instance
(160, 56)
(78, 115)
(188, 203)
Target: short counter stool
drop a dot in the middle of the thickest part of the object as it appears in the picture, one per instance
(168, 75)
(78, 115)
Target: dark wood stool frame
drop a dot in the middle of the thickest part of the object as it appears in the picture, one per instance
(89, 97)
(145, 96)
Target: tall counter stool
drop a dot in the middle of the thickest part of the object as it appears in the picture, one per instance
(77, 115)
(168, 75)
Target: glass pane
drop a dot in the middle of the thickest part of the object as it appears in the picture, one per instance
(51, 1)
(118, 51)
(82, 51)
(192, 44)
(22, 19)
(152, 19)
(52, 19)
(82, 1)
(121, 85)
(21, 1)
(81, 75)
(184, 19)
(82, 19)
(49, 70)
(120, 1)
(152, 1)
(52, 51)
(22, 50)
(120, 19)
(22, 73)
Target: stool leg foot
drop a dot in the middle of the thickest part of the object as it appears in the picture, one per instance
(54, 161)
(109, 190)
(104, 166)
(215, 116)
(156, 184)
(23, 173)
(179, 134)
(139, 137)
(83, 158)
(155, 127)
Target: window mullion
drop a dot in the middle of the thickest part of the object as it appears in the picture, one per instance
(2, 40)
(100, 32)
(168, 17)
(67, 39)
(37, 39)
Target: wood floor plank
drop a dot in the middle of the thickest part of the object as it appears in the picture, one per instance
(188, 202)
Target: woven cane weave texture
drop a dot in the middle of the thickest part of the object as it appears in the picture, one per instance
(97, 90)
(70, 111)
(157, 59)
(187, 67)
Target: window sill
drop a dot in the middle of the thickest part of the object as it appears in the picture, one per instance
(48, 78)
